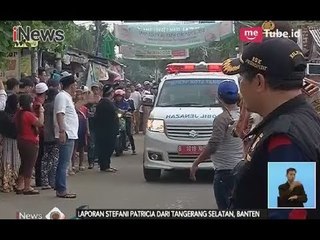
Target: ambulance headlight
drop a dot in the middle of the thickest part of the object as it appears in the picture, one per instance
(156, 125)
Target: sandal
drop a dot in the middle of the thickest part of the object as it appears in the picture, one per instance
(114, 169)
(31, 192)
(82, 168)
(18, 191)
(111, 170)
(67, 195)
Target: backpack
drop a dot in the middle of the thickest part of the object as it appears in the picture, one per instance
(7, 125)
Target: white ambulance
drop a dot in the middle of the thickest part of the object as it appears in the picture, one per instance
(180, 123)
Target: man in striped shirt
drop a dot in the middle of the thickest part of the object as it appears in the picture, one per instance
(225, 150)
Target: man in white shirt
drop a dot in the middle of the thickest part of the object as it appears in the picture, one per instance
(137, 100)
(147, 98)
(3, 96)
(66, 130)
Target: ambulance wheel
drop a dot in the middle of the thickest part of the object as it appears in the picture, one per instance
(151, 175)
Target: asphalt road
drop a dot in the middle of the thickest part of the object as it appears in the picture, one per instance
(125, 189)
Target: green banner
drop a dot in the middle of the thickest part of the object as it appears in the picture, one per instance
(108, 46)
(172, 35)
(136, 53)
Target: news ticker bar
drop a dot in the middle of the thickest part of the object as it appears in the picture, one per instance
(169, 214)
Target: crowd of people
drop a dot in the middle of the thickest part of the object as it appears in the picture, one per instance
(48, 123)
(45, 125)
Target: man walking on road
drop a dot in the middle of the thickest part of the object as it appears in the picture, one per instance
(93, 100)
(66, 130)
(136, 97)
(225, 150)
(106, 128)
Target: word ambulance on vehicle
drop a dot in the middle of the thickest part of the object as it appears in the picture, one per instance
(180, 123)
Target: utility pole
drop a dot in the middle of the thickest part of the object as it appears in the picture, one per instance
(34, 61)
(98, 33)
(156, 70)
(204, 53)
(237, 26)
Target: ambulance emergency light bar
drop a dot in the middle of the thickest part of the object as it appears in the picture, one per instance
(193, 67)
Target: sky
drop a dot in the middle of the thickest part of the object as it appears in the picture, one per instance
(87, 23)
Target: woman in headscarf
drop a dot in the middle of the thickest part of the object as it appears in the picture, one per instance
(51, 148)
(10, 161)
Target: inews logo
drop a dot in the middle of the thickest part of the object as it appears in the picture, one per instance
(256, 34)
(54, 213)
(27, 34)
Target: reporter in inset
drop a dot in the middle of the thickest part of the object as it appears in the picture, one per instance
(292, 193)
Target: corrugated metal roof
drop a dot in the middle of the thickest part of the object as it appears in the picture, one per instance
(315, 32)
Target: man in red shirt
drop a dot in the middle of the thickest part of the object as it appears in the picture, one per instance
(41, 92)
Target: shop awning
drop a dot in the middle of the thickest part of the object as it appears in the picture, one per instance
(74, 57)
(315, 33)
(114, 74)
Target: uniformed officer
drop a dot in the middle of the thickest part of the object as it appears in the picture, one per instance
(272, 77)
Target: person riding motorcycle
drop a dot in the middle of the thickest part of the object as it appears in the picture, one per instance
(126, 111)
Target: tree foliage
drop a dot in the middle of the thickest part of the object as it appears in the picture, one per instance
(299, 24)
(6, 43)
(142, 70)
(85, 39)
(227, 47)
(135, 70)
